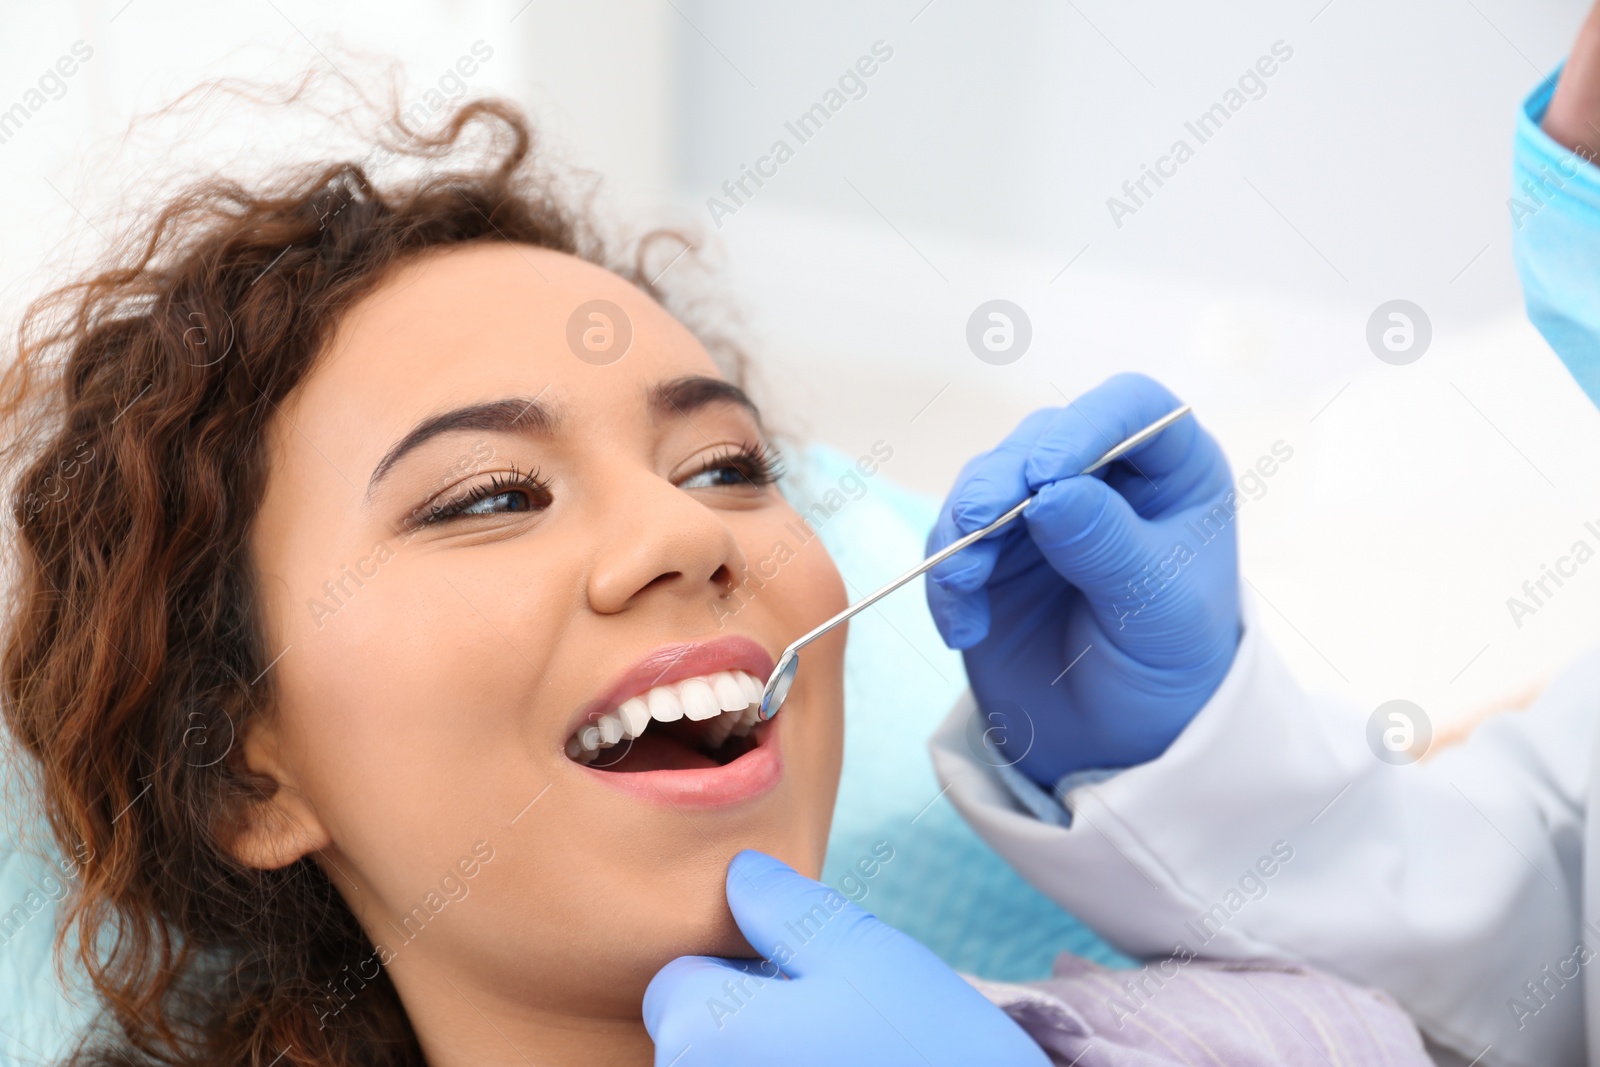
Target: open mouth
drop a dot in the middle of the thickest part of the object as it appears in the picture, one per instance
(694, 723)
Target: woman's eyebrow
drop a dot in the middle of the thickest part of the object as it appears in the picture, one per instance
(681, 396)
(512, 414)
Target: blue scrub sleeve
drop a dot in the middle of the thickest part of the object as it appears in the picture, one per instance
(1555, 222)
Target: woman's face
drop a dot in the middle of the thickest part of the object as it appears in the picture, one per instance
(473, 544)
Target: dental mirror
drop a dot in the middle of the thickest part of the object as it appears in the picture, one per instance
(782, 679)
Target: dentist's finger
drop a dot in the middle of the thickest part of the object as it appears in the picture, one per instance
(676, 996)
(1055, 444)
(962, 618)
(968, 569)
(1091, 536)
(989, 485)
(800, 924)
(1167, 468)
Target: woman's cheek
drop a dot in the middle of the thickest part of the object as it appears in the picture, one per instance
(788, 555)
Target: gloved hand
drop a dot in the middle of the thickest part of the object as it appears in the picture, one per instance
(835, 986)
(1097, 625)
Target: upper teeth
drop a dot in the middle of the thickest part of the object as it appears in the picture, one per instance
(732, 698)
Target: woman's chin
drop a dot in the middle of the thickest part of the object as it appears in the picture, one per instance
(725, 939)
(710, 929)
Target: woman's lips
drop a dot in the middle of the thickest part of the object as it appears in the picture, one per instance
(674, 663)
(693, 786)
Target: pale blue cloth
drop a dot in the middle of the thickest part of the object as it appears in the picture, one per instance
(38, 1017)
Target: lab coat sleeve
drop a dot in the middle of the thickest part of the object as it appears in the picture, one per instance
(1269, 828)
(1555, 226)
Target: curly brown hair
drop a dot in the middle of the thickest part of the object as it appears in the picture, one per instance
(132, 421)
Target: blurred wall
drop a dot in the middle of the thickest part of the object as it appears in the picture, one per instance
(1371, 159)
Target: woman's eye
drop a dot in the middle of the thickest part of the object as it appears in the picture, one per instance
(505, 494)
(510, 500)
(748, 467)
(715, 477)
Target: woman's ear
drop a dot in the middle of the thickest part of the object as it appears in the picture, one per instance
(273, 830)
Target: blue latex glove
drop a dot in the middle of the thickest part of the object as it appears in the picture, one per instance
(835, 986)
(1118, 563)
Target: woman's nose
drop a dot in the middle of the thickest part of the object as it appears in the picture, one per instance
(656, 539)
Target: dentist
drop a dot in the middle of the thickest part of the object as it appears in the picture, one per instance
(1145, 759)
(1157, 786)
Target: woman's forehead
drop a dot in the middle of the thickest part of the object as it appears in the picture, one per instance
(498, 319)
(480, 322)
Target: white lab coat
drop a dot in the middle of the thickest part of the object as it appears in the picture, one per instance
(1458, 883)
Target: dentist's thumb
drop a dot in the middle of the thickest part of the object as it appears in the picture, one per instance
(800, 925)
(834, 985)
(1091, 536)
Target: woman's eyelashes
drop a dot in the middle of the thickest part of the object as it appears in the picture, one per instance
(506, 492)
(750, 466)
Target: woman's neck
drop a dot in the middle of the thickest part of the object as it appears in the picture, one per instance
(461, 1024)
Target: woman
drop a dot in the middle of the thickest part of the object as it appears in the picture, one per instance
(385, 639)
